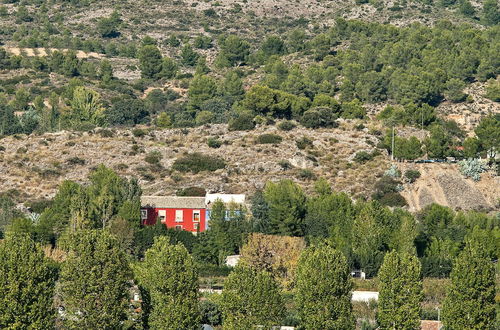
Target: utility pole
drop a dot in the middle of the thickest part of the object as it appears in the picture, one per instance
(392, 147)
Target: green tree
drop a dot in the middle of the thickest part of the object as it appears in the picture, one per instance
(488, 133)
(466, 8)
(169, 277)
(491, 13)
(86, 107)
(454, 90)
(189, 56)
(234, 51)
(106, 71)
(287, 206)
(273, 45)
(94, 281)
(201, 88)
(324, 289)
(470, 301)
(108, 26)
(251, 298)
(27, 280)
(150, 61)
(168, 68)
(400, 292)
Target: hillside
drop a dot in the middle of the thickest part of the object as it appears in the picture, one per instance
(33, 167)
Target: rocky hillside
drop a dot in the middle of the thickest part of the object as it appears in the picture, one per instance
(32, 167)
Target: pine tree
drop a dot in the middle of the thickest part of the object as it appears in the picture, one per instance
(168, 276)
(94, 281)
(324, 289)
(150, 61)
(470, 302)
(251, 298)
(400, 292)
(27, 280)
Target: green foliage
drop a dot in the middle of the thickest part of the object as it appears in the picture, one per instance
(268, 139)
(85, 108)
(453, 90)
(400, 292)
(287, 206)
(234, 51)
(286, 125)
(197, 162)
(319, 117)
(242, 122)
(188, 56)
(412, 175)
(153, 157)
(493, 90)
(192, 191)
(491, 12)
(150, 61)
(168, 277)
(363, 157)
(472, 168)
(108, 26)
(27, 280)
(251, 298)
(214, 143)
(304, 143)
(95, 267)
(470, 301)
(324, 289)
(201, 88)
(163, 120)
(488, 133)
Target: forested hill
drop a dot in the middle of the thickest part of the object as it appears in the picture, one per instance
(88, 68)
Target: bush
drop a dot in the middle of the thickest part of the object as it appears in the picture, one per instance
(192, 191)
(303, 143)
(363, 157)
(268, 139)
(214, 143)
(319, 117)
(242, 122)
(153, 157)
(75, 161)
(412, 175)
(393, 199)
(471, 168)
(306, 174)
(197, 162)
(137, 132)
(286, 125)
(210, 313)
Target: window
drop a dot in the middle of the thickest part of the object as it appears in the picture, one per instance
(196, 216)
(179, 215)
(144, 214)
(178, 227)
(162, 214)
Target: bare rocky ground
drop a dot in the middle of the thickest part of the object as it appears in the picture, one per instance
(36, 165)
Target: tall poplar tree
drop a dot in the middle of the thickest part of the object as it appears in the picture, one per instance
(251, 298)
(470, 301)
(400, 292)
(94, 281)
(27, 280)
(169, 279)
(324, 289)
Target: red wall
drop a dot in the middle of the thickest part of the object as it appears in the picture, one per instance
(187, 223)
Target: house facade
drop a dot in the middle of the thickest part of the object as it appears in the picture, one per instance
(182, 213)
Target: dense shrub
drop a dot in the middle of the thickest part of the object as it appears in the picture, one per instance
(214, 143)
(137, 132)
(286, 125)
(303, 143)
(153, 157)
(319, 117)
(242, 122)
(471, 168)
(363, 157)
(268, 139)
(192, 191)
(412, 175)
(197, 162)
(393, 199)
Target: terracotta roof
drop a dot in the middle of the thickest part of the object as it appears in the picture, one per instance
(173, 202)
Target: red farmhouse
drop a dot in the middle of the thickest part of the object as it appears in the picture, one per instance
(183, 213)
